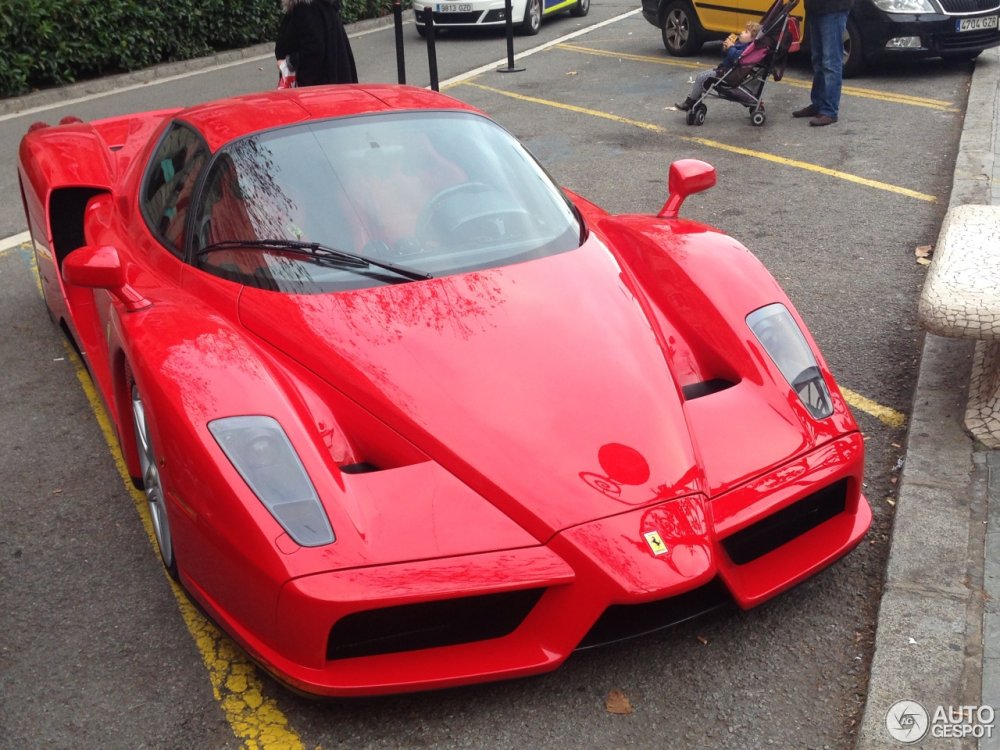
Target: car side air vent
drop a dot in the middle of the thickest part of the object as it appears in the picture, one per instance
(782, 527)
(359, 468)
(692, 391)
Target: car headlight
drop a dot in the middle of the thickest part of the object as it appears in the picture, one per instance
(905, 6)
(784, 343)
(261, 452)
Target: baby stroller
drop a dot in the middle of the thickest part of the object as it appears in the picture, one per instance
(765, 56)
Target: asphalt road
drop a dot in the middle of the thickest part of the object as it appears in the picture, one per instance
(97, 651)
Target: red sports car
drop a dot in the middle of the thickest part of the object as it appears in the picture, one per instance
(408, 415)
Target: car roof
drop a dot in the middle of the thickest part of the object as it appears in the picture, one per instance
(228, 119)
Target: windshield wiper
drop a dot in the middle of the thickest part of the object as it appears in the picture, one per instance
(317, 252)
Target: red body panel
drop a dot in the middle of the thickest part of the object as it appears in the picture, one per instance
(529, 422)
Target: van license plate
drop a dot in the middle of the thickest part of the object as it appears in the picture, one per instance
(976, 24)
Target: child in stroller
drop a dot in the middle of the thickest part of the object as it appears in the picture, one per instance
(733, 47)
(741, 76)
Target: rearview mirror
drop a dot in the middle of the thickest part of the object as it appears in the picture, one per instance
(687, 176)
(99, 267)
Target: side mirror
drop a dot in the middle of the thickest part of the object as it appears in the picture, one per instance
(687, 176)
(99, 267)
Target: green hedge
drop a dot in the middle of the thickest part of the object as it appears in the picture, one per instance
(54, 42)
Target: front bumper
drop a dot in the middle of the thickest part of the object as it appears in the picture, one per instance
(938, 33)
(454, 621)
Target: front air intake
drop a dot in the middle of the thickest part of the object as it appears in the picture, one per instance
(430, 624)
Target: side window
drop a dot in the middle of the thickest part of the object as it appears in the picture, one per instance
(170, 180)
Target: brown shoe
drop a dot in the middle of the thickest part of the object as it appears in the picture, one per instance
(821, 120)
(809, 111)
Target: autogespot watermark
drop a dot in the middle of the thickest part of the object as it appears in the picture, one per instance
(908, 722)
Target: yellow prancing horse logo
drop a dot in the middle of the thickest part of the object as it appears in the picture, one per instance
(655, 543)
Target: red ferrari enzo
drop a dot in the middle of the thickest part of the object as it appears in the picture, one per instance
(409, 415)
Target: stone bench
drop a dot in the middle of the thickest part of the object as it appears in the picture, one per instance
(961, 299)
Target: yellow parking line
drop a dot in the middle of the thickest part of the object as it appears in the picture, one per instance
(10, 248)
(884, 96)
(814, 168)
(672, 62)
(255, 719)
(884, 414)
(876, 184)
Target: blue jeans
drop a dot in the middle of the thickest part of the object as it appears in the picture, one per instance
(826, 44)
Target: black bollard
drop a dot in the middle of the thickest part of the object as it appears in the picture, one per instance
(432, 61)
(397, 18)
(509, 25)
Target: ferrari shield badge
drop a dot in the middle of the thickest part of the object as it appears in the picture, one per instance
(655, 543)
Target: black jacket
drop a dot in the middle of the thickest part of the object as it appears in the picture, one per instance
(313, 39)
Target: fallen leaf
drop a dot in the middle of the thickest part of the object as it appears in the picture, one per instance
(924, 251)
(571, 73)
(702, 640)
(890, 501)
(618, 703)
(923, 261)
(895, 445)
(57, 492)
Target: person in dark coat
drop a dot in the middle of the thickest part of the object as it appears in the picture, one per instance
(313, 40)
(826, 21)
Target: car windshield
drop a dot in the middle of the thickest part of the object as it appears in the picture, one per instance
(433, 192)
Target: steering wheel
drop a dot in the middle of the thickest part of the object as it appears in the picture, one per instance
(427, 215)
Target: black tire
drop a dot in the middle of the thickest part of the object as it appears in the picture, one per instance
(690, 117)
(680, 30)
(854, 53)
(581, 8)
(700, 111)
(757, 119)
(151, 484)
(532, 18)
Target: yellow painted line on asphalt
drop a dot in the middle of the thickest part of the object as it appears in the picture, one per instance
(14, 243)
(883, 414)
(672, 62)
(848, 177)
(884, 96)
(794, 163)
(255, 718)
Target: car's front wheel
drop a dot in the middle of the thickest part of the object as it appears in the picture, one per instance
(152, 486)
(532, 18)
(854, 54)
(581, 8)
(681, 35)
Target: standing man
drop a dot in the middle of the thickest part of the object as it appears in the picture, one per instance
(313, 40)
(826, 21)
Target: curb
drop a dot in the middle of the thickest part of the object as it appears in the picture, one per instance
(929, 643)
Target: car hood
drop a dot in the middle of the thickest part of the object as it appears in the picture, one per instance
(544, 385)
